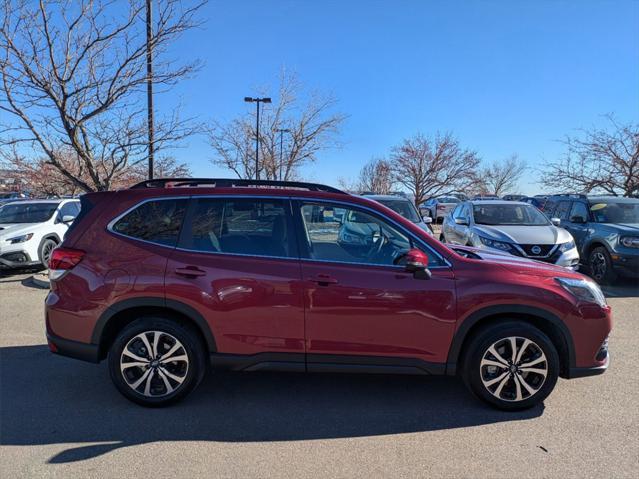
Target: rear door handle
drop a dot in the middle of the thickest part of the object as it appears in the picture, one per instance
(190, 271)
(323, 280)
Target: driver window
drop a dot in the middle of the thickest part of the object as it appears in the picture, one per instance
(351, 236)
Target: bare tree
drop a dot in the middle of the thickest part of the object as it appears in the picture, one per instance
(501, 176)
(598, 160)
(73, 78)
(313, 128)
(41, 178)
(433, 166)
(376, 176)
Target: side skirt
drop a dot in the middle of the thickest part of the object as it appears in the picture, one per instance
(325, 363)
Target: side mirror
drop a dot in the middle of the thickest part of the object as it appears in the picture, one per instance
(427, 219)
(416, 262)
(461, 221)
(68, 219)
(555, 221)
(577, 219)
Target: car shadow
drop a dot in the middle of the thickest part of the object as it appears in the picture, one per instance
(49, 399)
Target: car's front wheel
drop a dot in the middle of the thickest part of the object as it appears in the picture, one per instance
(511, 366)
(600, 265)
(156, 361)
(46, 248)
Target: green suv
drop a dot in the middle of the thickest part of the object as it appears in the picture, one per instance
(605, 229)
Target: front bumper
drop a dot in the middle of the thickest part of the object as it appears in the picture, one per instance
(626, 264)
(15, 259)
(574, 373)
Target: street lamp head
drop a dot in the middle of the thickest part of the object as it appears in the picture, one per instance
(266, 100)
(248, 99)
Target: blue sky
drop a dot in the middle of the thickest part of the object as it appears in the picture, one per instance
(506, 77)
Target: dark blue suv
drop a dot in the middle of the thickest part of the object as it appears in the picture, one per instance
(606, 230)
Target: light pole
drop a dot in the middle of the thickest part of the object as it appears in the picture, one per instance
(149, 83)
(281, 131)
(249, 99)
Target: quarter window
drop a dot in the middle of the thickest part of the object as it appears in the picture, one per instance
(157, 221)
(345, 235)
(255, 227)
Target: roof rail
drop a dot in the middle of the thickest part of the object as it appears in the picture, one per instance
(571, 195)
(231, 183)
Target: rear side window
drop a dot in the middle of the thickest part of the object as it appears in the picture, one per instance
(157, 221)
(247, 226)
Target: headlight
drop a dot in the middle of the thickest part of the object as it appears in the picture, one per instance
(583, 290)
(496, 244)
(567, 246)
(630, 241)
(20, 239)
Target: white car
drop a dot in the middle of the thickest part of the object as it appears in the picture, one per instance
(30, 230)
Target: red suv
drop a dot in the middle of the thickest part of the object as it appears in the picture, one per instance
(171, 276)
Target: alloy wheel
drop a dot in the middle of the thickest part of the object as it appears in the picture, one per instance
(513, 369)
(154, 363)
(48, 247)
(598, 265)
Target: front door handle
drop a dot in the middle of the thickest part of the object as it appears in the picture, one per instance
(323, 280)
(190, 271)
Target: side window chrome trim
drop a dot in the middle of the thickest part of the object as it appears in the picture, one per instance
(391, 221)
(112, 223)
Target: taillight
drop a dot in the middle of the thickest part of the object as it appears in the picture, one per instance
(62, 260)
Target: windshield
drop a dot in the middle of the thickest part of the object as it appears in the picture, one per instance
(611, 212)
(403, 208)
(448, 199)
(27, 212)
(505, 214)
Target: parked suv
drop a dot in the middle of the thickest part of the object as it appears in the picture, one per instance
(513, 227)
(171, 276)
(29, 230)
(404, 207)
(438, 208)
(606, 230)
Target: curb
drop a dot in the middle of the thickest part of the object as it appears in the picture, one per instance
(41, 280)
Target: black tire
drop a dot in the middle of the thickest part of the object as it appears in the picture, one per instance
(191, 373)
(44, 253)
(475, 375)
(600, 266)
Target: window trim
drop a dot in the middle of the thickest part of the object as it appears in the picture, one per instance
(296, 203)
(294, 218)
(112, 223)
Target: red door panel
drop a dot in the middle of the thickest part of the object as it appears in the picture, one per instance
(378, 311)
(251, 304)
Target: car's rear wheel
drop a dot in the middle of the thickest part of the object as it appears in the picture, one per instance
(600, 265)
(46, 248)
(156, 361)
(511, 366)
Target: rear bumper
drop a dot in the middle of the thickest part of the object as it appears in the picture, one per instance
(73, 349)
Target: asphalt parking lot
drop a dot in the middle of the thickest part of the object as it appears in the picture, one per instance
(63, 418)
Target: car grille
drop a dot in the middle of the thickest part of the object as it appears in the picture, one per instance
(541, 250)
